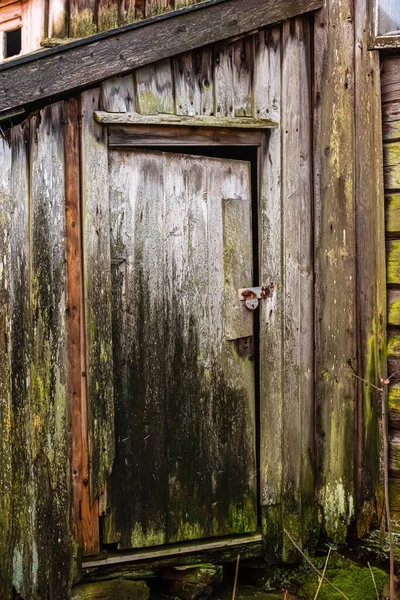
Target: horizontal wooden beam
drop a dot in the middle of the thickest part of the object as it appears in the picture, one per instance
(83, 63)
(184, 120)
(174, 550)
(385, 42)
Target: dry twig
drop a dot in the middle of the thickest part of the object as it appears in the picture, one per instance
(382, 393)
(373, 579)
(314, 568)
(323, 574)
(236, 577)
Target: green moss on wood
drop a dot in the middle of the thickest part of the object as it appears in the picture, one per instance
(394, 312)
(354, 581)
(394, 398)
(111, 590)
(82, 23)
(393, 261)
(392, 213)
(108, 17)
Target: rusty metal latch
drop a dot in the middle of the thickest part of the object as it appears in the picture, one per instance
(251, 296)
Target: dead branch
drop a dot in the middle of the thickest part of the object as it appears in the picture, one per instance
(373, 579)
(314, 568)
(323, 574)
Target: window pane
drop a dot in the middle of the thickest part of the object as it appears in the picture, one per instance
(388, 16)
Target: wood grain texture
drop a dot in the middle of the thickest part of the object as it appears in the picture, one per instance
(97, 284)
(73, 305)
(34, 30)
(334, 177)
(82, 19)
(51, 452)
(79, 64)
(142, 135)
(267, 100)
(194, 83)
(298, 407)
(242, 62)
(23, 528)
(118, 95)
(187, 121)
(172, 347)
(154, 89)
(57, 19)
(371, 292)
(6, 434)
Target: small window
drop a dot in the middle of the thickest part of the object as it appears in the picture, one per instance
(12, 43)
(388, 17)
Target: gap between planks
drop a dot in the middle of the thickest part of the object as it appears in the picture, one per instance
(173, 551)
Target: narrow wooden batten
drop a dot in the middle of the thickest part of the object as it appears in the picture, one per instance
(174, 550)
(130, 118)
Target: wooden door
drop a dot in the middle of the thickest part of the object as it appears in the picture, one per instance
(181, 246)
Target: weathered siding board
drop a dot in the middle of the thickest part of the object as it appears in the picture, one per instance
(97, 290)
(51, 455)
(154, 89)
(82, 18)
(58, 19)
(223, 80)
(370, 247)
(118, 94)
(267, 100)
(298, 338)
(242, 63)
(137, 248)
(25, 568)
(335, 262)
(73, 307)
(390, 86)
(6, 433)
(36, 473)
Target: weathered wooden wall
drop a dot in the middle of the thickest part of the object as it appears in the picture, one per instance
(391, 153)
(321, 243)
(35, 515)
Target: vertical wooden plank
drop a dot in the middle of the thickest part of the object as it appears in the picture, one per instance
(267, 101)
(232, 376)
(193, 83)
(334, 178)
(25, 571)
(371, 293)
(139, 336)
(107, 15)
(243, 61)
(128, 11)
(51, 456)
(208, 251)
(58, 19)
(158, 7)
(34, 18)
(82, 18)
(6, 437)
(154, 89)
(223, 81)
(73, 308)
(97, 294)
(266, 71)
(298, 421)
(118, 94)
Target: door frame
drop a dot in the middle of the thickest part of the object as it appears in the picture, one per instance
(125, 135)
